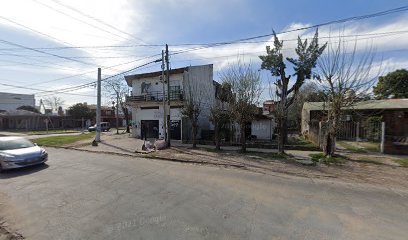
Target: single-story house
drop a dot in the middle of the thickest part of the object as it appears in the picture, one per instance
(393, 112)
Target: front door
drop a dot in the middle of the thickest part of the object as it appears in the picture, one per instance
(175, 129)
(150, 128)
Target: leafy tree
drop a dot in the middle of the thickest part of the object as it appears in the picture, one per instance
(80, 110)
(28, 108)
(274, 61)
(392, 85)
(309, 92)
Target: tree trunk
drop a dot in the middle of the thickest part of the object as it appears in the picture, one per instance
(217, 136)
(194, 133)
(126, 113)
(329, 145)
(243, 139)
(281, 136)
(285, 131)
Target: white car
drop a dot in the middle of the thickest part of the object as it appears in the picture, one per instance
(17, 152)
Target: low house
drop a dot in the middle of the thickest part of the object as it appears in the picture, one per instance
(108, 114)
(392, 112)
(263, 126)
(26, 120)
(149, 106)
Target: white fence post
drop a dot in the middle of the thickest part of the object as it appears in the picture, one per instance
(382, 136)
(320, 134)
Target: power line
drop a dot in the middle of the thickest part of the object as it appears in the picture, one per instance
(110, 67)
(39, 51)
(36, 89)
(33, 30)
(98, 20)
(80, 20)
(94, 82)
(356, 18)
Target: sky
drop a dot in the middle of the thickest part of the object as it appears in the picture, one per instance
(49, 45)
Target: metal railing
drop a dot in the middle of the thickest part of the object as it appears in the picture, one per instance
(156, 96)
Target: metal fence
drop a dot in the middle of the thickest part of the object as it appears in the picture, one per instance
(360, 131)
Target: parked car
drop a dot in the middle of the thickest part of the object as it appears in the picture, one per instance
(17, 152)
(105, 126)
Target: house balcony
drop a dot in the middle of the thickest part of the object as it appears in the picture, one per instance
(156, 97)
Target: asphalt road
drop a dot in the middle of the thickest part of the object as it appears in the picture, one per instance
(82, 195)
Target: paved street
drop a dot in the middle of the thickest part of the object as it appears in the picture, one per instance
(81, 195)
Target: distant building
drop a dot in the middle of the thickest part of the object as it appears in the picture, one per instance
(11, 101)
(108, 114)
(269, 107)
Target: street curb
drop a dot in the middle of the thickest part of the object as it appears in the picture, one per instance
(157, 158)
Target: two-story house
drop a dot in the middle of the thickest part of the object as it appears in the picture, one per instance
(148, 100)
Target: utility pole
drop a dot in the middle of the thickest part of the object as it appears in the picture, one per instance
(117, 112)
(168, 95)
(164, 99)
(98, 108)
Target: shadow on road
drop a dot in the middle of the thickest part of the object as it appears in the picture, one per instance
(12, 173)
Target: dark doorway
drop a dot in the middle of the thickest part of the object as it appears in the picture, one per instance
(150, 128)
(175, 129)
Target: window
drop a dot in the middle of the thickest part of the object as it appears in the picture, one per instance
(146, 108)
(175, 89)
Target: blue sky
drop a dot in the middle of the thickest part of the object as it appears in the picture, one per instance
(46, 25)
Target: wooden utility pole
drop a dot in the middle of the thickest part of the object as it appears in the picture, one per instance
(98, 108)
(117, 112)
(164, 100)
(168, 95)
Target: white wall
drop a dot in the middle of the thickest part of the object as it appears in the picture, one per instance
(262, 129)
(156, 84)
(199, 80)
(139, 114)
(11, 101)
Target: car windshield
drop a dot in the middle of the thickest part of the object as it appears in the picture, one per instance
(15, 144)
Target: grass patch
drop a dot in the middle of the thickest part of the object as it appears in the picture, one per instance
(321, 158)
(44, 132)
(350, 147)
(370, 146)
(300, 141)
(360, 147)
(402, 162)
(58, 141)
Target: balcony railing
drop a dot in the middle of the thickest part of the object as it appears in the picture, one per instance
(156, 97)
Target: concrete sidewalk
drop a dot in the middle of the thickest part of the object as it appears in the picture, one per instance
(125, 144)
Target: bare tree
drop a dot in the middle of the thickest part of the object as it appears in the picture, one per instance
(117, 89)
(54, 102)
(220, 112)
(246, 88)
(193, 105)
(303, 65)
(346, 77)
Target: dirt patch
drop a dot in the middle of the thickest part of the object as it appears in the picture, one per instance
(385, 175)
(6, 228)
(6, 234)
